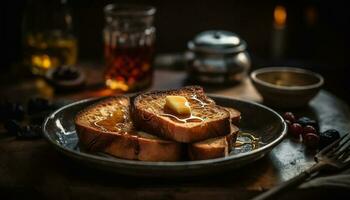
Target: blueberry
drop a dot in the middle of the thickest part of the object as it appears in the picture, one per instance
(36, 105)
(12, 127)
(304, 121)
(29, 132)
(328, 136)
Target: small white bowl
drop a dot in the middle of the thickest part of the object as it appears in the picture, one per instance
(286, 87)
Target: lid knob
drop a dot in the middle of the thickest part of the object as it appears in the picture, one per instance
(217, 41)
(217, 35)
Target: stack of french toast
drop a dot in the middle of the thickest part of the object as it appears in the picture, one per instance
(172, 125)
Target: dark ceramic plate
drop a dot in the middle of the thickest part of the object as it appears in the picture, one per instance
(257, 119)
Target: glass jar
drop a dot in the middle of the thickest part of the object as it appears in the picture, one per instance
(129, 37)
(48, 38)
(218, 57)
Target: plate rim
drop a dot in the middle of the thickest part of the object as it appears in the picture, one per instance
(116, 160)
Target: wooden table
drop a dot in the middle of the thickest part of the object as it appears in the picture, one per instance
(34, 169)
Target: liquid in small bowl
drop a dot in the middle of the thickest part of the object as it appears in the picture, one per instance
(286, 87)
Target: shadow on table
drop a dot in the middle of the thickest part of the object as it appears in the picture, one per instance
(236, 177)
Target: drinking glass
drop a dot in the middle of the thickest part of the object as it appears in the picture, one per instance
(48, 38)
(129, 37)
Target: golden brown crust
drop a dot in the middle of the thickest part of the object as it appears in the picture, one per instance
(124, 144)
(134, 145)
(159, 151)
(235, 115)
(150, 118)
(213, 148)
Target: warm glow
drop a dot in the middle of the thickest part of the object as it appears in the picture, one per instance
(280, 16)
(42, 61)
(311, 15)
(116, 85)
(46, 62)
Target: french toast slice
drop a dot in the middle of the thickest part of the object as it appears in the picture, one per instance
(107, 127)
(235, 115)
(213, 147)
(209, 121)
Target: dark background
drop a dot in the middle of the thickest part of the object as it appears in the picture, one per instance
(321, 44)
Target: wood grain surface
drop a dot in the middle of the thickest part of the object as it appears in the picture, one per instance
(33, 169)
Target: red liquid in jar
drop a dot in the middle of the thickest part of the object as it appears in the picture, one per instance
(129, 68)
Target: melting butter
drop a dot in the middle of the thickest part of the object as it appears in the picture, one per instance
(178, 104)
(178, 108)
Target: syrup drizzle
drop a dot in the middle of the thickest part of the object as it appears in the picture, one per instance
(194, 97)
(115, 128)
(113, 122)
(254, 141)
(185, 120)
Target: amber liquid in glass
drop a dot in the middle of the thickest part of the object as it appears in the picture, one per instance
(129, 68)
(44, 51)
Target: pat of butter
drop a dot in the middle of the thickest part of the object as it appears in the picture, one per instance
(178, 104)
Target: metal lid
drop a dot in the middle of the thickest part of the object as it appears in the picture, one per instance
(218, 42)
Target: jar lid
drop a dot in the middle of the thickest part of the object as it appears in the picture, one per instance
(218, 42)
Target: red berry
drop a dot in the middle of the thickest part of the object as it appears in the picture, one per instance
(309, 129)
(296, 129)
(311, 140)
(289, 116)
